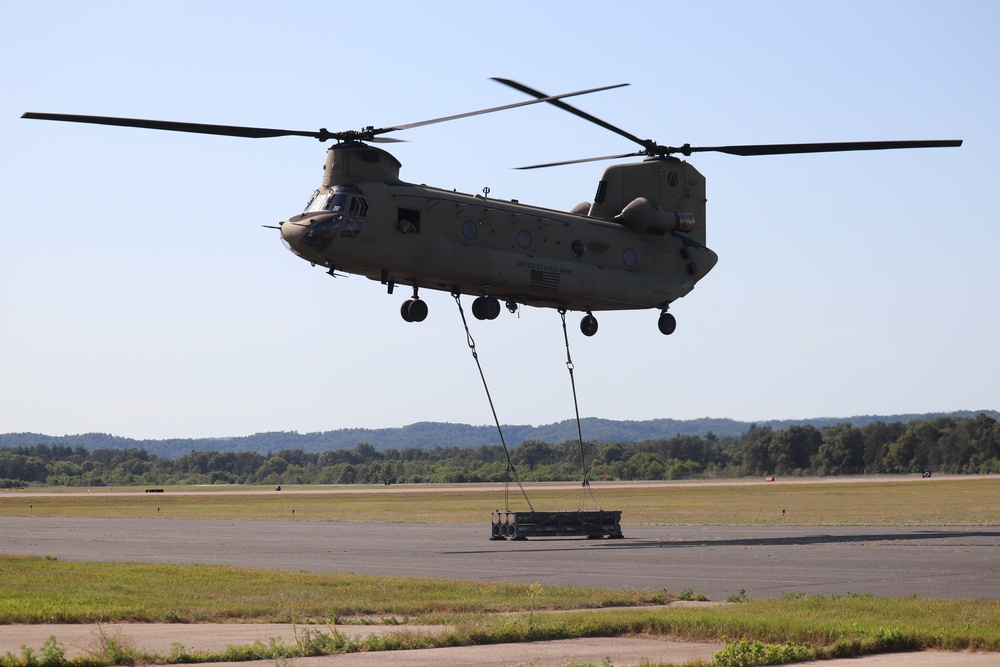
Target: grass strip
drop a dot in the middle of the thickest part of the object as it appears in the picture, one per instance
(755, 632)
(973, 501)
(45, 590)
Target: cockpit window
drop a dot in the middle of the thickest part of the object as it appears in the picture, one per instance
(349, 209)
(338, 202)
(335, 202)
(344, 199)
(317, 202)
(321, 234)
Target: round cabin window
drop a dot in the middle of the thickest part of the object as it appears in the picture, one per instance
(470, 229)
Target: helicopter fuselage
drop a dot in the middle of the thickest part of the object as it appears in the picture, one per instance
(641, 243)
(363, 220)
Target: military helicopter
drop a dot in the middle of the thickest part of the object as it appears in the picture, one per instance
(640, 244)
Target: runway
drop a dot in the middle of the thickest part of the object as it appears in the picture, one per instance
(766, 562)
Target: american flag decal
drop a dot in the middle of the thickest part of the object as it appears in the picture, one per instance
(544, 279)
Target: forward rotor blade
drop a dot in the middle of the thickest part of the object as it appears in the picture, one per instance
(542, 97)
(174, 126)
(836, 147)
(368, 134)
(586, 159)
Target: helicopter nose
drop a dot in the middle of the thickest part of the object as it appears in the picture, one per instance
(292, 232)
(308, 235)
(298, 226)
(289, 231)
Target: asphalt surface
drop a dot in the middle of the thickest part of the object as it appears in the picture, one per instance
(766, 562)
(715, 561)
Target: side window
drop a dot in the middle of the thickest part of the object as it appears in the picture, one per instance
(602, 192)
(359, 207)
(408, 220)
(354, 221)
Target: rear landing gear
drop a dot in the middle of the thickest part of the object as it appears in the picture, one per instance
(588, 325)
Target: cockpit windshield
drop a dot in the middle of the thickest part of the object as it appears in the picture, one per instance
(337, 201)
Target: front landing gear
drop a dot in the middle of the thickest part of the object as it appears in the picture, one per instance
(588, 325)
(667, 323)
(486, 308)
(413, 310)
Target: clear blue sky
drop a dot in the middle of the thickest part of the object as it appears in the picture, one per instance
(139, 295)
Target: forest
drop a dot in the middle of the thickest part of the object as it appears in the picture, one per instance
(945, 444)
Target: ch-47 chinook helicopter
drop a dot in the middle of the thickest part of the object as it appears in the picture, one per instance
(640, 244)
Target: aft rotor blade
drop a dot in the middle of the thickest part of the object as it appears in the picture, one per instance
(836, 147)
(542, 97)
(174, 126)
(581, 160)
(774, 149)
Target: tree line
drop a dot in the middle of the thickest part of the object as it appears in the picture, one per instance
(429, 435)
(946, 444)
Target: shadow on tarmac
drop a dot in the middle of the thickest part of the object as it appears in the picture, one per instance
(797, 540)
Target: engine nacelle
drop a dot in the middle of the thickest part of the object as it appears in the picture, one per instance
(641, 215)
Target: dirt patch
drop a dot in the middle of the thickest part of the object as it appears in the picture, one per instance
(162, 638)
(79, 640)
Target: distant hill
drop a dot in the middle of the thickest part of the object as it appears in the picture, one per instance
(428, 435)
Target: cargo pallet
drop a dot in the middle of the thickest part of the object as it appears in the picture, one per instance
(522, 525)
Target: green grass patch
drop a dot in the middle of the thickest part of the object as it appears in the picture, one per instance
(756, 632)
(973, 501)
(40, 590)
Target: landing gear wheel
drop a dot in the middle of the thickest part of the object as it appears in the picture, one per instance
(667, 324)
(491, 307)
(417, 312)
(404, 310)
(486, 308)
(588, 325)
